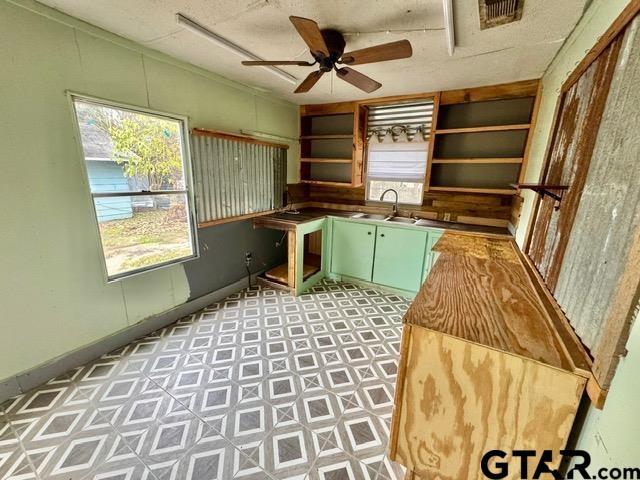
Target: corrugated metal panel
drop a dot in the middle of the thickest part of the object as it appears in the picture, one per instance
(411, 115)
(235, 178)
(608, 214)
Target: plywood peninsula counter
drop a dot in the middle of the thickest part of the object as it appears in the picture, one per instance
(486, 363)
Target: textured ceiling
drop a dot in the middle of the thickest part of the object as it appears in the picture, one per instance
(507, 53)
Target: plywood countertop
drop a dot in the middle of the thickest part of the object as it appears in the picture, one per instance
(480, 290)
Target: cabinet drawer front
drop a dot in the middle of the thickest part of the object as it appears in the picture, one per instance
(352, 249)
(399, 257)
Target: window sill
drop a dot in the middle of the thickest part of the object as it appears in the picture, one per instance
(237, 218)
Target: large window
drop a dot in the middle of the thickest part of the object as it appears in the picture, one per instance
(400, 166)
(139, 175)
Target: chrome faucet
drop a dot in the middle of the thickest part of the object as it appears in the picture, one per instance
(395, 205)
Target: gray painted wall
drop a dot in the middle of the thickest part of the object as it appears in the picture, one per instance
(222, 254)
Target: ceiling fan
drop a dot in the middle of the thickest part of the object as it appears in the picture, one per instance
(327, 47)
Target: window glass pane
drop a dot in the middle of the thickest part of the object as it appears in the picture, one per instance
(130, 151)
(397, 165)
(408, 192)
(142, 231)
(127, 151)
(397, 161)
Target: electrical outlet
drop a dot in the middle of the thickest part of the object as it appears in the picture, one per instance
(447, 217)
(248, 257)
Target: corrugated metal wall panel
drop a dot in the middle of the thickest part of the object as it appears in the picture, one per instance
(235, 178)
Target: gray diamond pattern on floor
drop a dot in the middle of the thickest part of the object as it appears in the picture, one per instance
(261, 385)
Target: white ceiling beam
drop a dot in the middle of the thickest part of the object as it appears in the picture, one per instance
(447, 6)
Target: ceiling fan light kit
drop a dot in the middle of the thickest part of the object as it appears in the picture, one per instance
(327, 49)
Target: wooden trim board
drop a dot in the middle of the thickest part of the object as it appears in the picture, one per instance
(432, 143)
(237, 218)
(618, 25)
(526, 88)
(236, 137)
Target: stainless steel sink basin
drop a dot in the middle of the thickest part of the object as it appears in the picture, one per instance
(369, 216)
(410, 221)
(386, 218)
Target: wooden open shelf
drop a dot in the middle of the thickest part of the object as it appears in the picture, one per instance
(330, 151)
(326, 137)
(495, 191)
(326, 183)
(491, 128)
(476, 160)
(326, 160)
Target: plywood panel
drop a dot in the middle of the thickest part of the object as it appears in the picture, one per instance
(460, 400)
(479, 292)
(568, 162)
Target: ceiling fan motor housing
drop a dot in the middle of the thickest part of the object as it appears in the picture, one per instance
(335, 44)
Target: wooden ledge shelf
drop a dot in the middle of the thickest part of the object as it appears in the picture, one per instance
(478, 160)
(326, 160)
(327, 183)
(491, 128)
(495, 191)
(336, 136)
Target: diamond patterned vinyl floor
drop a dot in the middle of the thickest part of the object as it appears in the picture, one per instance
(262, 385)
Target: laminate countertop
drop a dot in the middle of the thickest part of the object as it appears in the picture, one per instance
(480, 290)
(289, 220)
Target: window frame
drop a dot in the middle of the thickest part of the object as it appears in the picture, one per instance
(387, 202)
(187, 171)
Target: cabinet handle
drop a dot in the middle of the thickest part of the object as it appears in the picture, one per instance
(382, 234)
(368, 233)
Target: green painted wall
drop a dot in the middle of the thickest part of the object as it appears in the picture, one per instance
(611, 435)
(53, 295)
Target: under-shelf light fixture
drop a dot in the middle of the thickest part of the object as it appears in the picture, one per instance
(228, 45)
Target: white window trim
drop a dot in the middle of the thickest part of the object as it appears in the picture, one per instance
(394, 146)
(187, 170)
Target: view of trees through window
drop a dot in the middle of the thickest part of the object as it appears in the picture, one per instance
(135, 167)
(408, 192)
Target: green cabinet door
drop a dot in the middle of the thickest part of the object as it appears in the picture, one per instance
(399, 257)
(431, 256)
(352, 249)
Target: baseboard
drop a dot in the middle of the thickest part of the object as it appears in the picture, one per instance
(41, 374)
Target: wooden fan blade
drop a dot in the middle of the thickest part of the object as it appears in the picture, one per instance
(251, 63)
(310, 33)
(357, 79)
(309, 82)
(378, 53)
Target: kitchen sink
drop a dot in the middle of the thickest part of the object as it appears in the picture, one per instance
(410, 221)
(386, 218)
(370, 216)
